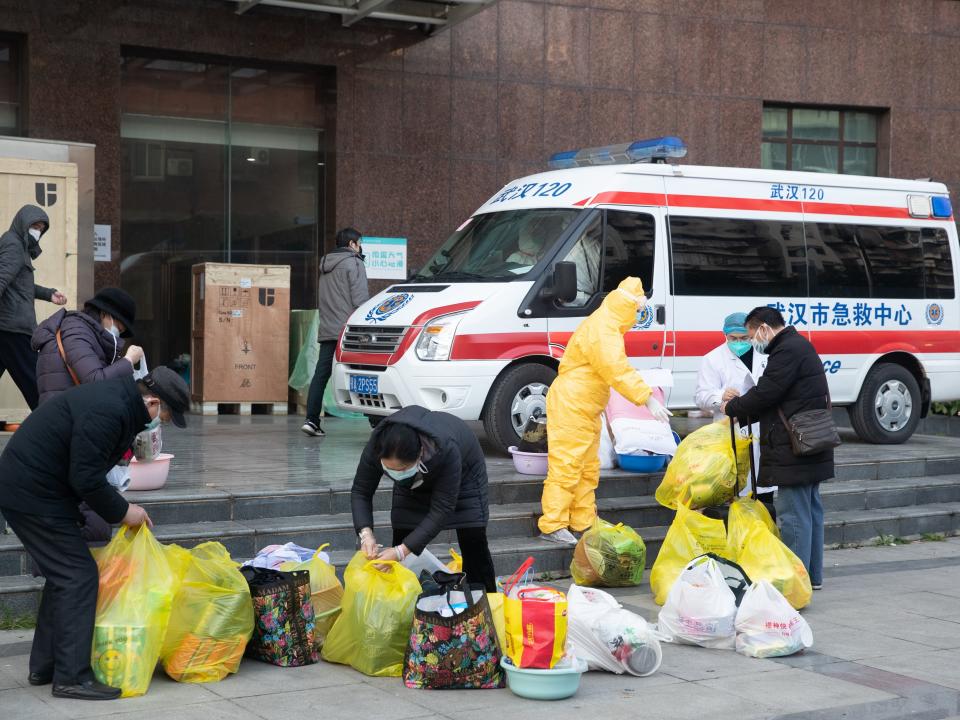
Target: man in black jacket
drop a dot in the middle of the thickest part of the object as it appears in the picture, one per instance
(794, 381)
(57, 459)
(19, 247)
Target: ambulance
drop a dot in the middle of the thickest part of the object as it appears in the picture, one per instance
(864, 267)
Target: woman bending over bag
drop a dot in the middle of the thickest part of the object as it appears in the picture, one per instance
(439, 482)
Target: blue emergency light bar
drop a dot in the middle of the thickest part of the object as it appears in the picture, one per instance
(940, 207)
(652, 150)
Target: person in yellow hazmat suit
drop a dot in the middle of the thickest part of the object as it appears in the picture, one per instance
(594, 361)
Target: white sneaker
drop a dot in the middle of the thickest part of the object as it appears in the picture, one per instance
(561, 537)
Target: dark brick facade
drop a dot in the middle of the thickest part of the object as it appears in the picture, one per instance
(428, 128)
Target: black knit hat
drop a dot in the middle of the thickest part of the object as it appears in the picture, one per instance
(117, 304)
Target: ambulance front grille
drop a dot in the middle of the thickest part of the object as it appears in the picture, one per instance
(372, 339)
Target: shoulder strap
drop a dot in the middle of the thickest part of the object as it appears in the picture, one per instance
(63, 355)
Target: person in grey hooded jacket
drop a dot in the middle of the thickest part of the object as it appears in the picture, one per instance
(19, 247)
(343, 288)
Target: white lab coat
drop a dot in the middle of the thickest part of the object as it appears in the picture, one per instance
(721, 369)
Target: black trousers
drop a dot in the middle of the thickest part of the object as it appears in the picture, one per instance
(321, 376)
(17, 357)
(64, 636)
(477, 562)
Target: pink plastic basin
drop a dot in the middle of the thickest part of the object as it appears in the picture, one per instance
(150, 475)
(529, 463)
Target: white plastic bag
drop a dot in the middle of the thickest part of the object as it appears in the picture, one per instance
(119, 477)
(148, 444)
(608, 455)
(141, 373)
(273, 556)
(608, 637)
(424, 562)
(639, 437)
(700, 607)
(768, 626)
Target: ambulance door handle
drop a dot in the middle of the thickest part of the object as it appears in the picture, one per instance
(661, 311)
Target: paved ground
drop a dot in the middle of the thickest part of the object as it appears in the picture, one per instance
(886, 646)
(236, 454)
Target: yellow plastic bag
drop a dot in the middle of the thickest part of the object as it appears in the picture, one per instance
(212, 618)
(704, 471)
(690, 535)
(744, 512)
(764, 557)
(373, 629)
(609, 556)
(496, 609)
(456, 562)
(326, 593)
(137, 586)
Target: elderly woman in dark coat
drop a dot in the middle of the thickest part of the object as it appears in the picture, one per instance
(90, 343)
(439, 482)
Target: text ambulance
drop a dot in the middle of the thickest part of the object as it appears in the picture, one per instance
(864, 266)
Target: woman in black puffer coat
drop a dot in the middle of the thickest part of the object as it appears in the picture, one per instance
(92, 343)
(439, 478)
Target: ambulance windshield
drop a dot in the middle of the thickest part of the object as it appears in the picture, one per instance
(497, 246)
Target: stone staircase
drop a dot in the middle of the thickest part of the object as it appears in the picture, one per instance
(879, 491)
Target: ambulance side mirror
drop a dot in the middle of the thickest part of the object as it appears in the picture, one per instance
(563, 289)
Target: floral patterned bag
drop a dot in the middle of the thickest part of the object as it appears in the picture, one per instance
(453, 642)
(284, 623)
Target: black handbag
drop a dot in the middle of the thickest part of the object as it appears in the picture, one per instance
(284, 625)
(811, 431)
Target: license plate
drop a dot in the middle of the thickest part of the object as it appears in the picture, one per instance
(365, 384)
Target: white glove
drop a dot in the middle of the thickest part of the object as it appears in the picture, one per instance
(658, 410)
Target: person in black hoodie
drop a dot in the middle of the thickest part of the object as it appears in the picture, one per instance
(793, 381)
(58, 458)
(19, 247)
(342, 289)
(439, 478)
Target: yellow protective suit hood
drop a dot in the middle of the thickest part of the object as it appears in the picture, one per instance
(594, 361)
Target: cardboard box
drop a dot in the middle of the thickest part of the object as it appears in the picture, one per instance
(241, 328)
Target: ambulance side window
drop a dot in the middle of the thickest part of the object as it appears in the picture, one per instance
(586, 255)
(937, 265)
(628, 248)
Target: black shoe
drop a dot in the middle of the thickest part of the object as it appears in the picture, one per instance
(312, 429)
(40, 678)
(87, 690)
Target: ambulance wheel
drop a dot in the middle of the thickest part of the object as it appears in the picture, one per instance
(519, 394)
(888, 409)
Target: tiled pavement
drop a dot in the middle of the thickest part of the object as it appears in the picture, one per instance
(886, 646)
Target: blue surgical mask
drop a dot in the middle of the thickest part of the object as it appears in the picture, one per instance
(153, 424)
(739, 347)
(404, 478)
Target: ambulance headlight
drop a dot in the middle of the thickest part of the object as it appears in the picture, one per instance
(436, 338)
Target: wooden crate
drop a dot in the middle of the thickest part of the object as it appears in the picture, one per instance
(54, 186)
(240, 338)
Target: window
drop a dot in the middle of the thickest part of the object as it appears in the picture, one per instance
(937, 265)
(627, 239)
(10, 86)
(871, 261)
(628, 248)
(749, 258)
(819, 140)
(497, 246)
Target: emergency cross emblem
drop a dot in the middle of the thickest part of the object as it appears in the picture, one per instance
(388, 307)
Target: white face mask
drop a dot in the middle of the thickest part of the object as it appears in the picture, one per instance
(114, 330)
(35, 234)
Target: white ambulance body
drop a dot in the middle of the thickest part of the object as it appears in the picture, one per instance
(863, 266)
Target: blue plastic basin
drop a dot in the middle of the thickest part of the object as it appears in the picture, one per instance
(642, 463)
(555, 684)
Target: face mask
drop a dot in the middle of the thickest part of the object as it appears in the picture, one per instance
(739, 347)
(759, 345)
(404, 478)
(35, 234)
(114, 330)
(360, 253)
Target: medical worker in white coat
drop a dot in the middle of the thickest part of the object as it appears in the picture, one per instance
(729, 371)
